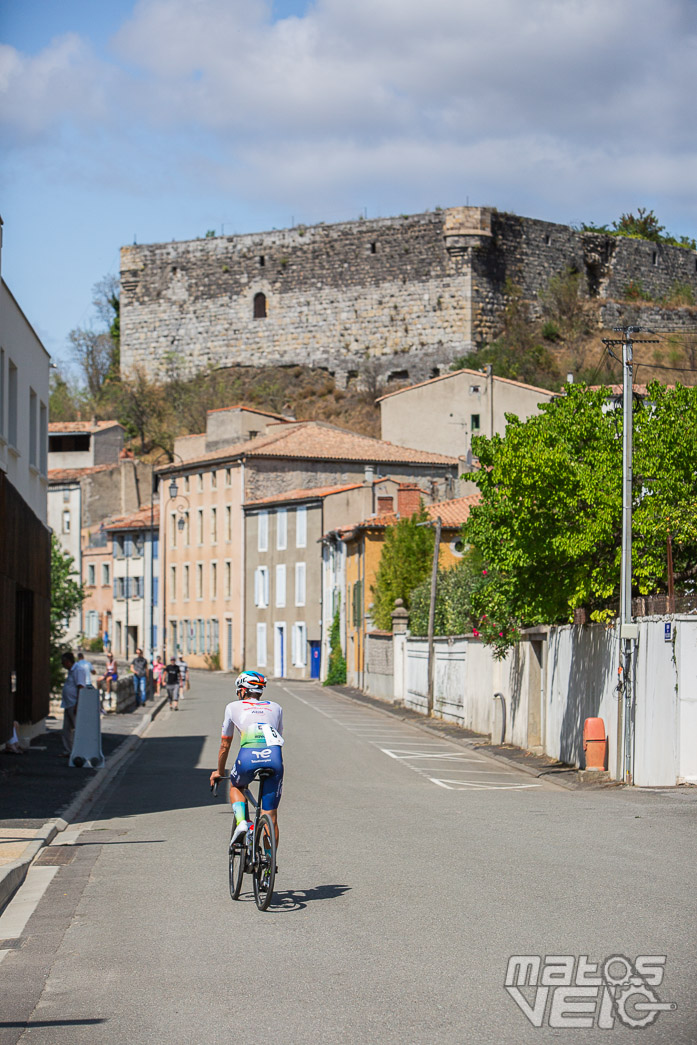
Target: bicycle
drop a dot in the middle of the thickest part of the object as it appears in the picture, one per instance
(255, 852)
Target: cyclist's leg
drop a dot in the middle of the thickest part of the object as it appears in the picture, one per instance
(271, 789)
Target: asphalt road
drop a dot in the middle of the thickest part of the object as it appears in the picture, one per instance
(411, 870)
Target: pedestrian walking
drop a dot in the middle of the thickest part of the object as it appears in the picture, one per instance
(158, 672)
(139, 667)
(172, 680)
(69, 699)
(183, 674)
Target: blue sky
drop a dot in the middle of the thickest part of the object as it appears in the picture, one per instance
(160, 119)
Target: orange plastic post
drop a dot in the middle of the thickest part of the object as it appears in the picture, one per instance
(595, 743)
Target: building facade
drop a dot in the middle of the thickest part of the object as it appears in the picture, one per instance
(444, 413)
(25, 547)
(202, 525)
(135, 541)
(411, 293)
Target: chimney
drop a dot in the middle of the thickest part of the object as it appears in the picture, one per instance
(409, 498)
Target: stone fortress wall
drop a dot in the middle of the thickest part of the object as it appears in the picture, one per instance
(403, 296)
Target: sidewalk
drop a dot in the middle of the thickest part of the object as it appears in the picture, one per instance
(38, 787)
(536, 765)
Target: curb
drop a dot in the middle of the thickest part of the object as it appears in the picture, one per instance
(465, 742)
(12, 875)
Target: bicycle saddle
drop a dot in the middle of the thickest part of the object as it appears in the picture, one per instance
(262, 774)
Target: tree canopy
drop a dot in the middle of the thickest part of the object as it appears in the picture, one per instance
(548, 527)
(405, 561)
(67, 595)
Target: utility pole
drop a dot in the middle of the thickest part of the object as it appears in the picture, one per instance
(629, 631)
(432, 615)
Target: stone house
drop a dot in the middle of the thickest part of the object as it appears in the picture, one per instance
(134, 543)
(287, 615)
(444, 413)
(84, 444)
(202, 526)
(96, 548)
(25, 546)
(363, 549)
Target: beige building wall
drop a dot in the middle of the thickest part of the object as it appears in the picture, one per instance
(201, 583)
(442, 415)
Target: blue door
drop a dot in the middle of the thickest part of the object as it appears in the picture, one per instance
(314, 660)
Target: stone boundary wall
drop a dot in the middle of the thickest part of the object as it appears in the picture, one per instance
(379, 664)
(408, 294)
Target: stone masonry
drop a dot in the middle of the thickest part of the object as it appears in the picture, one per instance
(408, 294)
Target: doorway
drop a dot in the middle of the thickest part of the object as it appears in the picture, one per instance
(279, 650)
(314, 660)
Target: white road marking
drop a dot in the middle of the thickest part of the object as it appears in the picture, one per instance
(20, 909)
(364, 728)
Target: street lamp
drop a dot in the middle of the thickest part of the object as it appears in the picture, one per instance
(173, 491)
(181, 523)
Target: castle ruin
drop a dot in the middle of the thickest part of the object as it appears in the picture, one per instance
(409, 294)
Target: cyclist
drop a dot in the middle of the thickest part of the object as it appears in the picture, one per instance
(260, 725)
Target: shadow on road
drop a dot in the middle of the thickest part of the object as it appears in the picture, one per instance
(297, 899)
(162, 776)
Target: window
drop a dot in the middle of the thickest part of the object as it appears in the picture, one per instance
(187, 483)
(92, 624)
(281, 529)
(300, 584)
(173, 583)
(200, 482)
(474, 422)
(91, 578)
(200, 640)
(228, 523)
(138, 544)
(199, 580)
(199, 526)
(301, 528)
(262, 261)
(280, 585)
(214, 480)
(12, 391)
(228, 476)
(105, 573)
(173, 530)
(214, 580)
(263, 532)
(215, 635)
(66, 522)
(260, 306)
(208, 636)
(66, 496)
(187, 529)
(261, 645)
(43, 438)
(33, 429)
(475, 390)
(299, 645)
(385, 504)
(261, 587)
(185, 592)
(118, 547)
(214, 525)
(228, 579)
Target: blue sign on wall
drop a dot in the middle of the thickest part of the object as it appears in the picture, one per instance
(668, 631)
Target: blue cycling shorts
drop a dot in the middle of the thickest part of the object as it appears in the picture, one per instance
(249, 759)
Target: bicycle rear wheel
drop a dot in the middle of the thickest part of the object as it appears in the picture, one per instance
(264, 862)
(237, 857)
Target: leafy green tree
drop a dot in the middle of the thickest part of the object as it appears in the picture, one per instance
(406, 560)
(548, 527)
(67, 595)
(454, 613)
(336, 673)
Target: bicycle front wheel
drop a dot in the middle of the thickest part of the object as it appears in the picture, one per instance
(238, 855)
(264, 862)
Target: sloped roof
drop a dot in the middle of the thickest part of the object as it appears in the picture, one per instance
(58, 427)
(70, 475)
(317, 441)
(139, 520)
(473, 373)
(249, 410)
(452, 513)
(313, 493)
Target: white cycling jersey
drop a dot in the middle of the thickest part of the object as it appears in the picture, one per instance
(259, 722)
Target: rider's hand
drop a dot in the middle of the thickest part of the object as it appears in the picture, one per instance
(215, 777)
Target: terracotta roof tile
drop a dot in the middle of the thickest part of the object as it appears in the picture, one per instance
(318, 441)
(135, 521)
(474, 373)
(249, 410)
(453, 513)
(303, 495)
(66, 475)
(82, 426)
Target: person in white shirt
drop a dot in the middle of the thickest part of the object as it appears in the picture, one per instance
(84, 670)
(71, 691)
(260, 725)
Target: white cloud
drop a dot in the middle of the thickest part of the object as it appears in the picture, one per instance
(548, 98)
